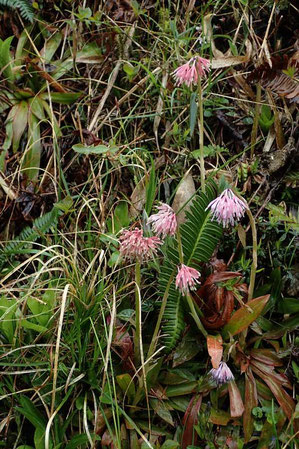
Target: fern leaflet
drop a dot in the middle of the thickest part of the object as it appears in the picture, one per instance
(200, 236)
(24, 6)
(30, 234)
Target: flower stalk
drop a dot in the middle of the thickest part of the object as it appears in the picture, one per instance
(201, 137)
(189, 298)
(137, 336)
(254, 254)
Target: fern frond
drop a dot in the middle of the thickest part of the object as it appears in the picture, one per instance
(200, 236)
(30, 234)
(24, 6)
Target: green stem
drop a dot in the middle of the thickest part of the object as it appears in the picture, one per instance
(137, 336)
(188, 296)
(201, 137)
(160, 317)
(195, 316)
(256, 119)
(254, 254)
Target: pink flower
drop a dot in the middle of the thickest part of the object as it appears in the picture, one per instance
(134, 246)
(227, 208)
(186, 279)
(164, 222)
(188, 73)
(222, 374)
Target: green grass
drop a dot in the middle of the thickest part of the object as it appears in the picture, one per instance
(100, 75)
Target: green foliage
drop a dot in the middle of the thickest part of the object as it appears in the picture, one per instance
(200, 236)
(23, 6)
(30, 234)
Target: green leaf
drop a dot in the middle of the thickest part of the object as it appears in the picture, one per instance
(193, 112)
(31, 161)
(39, 438)
(24, 446)
(121, 216)
(98, 149)
(7, 317)
(288, 305)
(243, 317)
(181, 390)
(37, 107)
(161, 409)
(31, 413)
(50, 47)
(80, 440)
(65, 205)
(186, 350)
(6, 60)
(35, 327)
(19, 123)
(170, 444)
(62, 97)
(127, 385)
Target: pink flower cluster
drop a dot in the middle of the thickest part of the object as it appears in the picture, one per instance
(227, 208)
(186, 279)
(164, 222)
(188, 73)
(222, 374)
(134, 246)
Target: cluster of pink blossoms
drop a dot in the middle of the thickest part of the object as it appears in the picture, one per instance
(190, 72)
(164, 222)
(222, 374)
(227, 208)
(187, 279)
(134, 246)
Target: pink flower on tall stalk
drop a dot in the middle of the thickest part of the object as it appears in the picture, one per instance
(222, 374)
(164, 222)
(188, 73)
(186, 279)
(227, 208)
(134, 246)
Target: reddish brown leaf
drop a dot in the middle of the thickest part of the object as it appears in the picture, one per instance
(219, 417)
(190, 420)
(243, 317)
(268, 370)
(215, 349)
(266, 356)
(236, 403)
(284, 400)
(250, 402)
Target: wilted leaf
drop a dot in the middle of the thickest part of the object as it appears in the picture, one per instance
(284, 400)
(138, 199)
(235, 400)
(182, 200)
(250, 402)
(243, 317)
(161, 409)
(242, 235)
(215, 349)
(219, 417)
(185, 351)
(190, 420)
